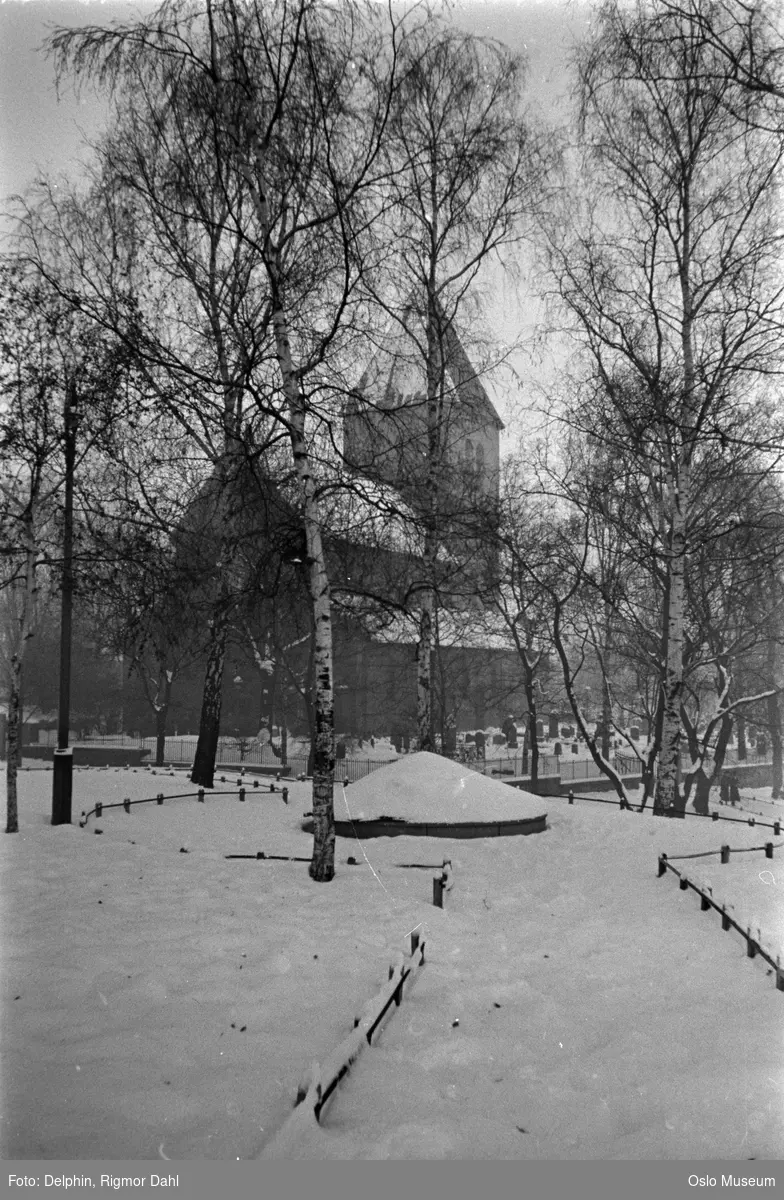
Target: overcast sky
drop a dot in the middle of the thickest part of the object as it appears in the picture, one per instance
(40, 132)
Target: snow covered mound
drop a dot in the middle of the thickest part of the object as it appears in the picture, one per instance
(427, 787)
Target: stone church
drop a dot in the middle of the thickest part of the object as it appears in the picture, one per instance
(387, 438)
(476, 678)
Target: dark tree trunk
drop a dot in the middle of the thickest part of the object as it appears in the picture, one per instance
(606, 708)
(693, 743)
(12, 749)
(741, 725)
(441, 696)
(203, 772)
(725, 729)
(692, 740)
(425, 675)
(648, 777)
(161, 719)
(534, 747)
(20, 727)
(160, 736)
(604, 765)
(533, 740)
(774, 721)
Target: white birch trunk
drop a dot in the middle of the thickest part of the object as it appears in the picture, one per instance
(26, 624)
(249, 148)
(425, 672)
(773, 705)
(667, 791)
(12, 744)
(435, 388)
(322, 867)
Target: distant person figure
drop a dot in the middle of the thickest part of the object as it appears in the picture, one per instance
(734, 792)
(467, 752)
(479, 741)
(509, 730)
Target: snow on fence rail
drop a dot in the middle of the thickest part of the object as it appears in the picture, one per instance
(160, 798)
(711, 816)
(320, 1083)
(714, 816)
(753, 945)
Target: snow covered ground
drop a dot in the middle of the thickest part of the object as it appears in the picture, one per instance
(160, 1000)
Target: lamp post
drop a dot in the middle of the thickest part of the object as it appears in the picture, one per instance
(62, 780)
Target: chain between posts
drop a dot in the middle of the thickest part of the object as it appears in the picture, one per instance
(713, 816)
(753, 945)
(160, 799)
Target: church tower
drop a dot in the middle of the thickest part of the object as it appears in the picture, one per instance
(387, 431)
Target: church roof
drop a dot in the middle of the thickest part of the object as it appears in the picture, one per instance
(396, 373)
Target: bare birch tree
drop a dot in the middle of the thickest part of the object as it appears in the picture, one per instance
(671, 272)
(54, 368)
(522, 560)
(293, 101)
(465, 165)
